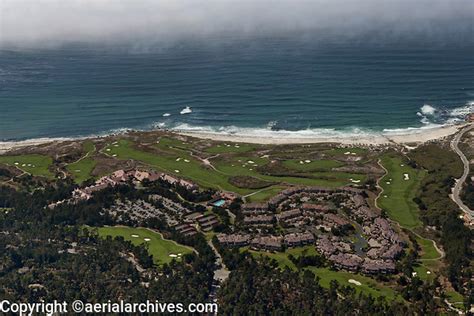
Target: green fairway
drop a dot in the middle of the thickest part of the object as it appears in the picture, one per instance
(282, 257)
(248, 166)
(312, 165)
(36, 165)
(81, 170)
(264, 194)
(179, 163)
(166, 143)
(455, 298)
(88, 146)
(368, 285)
(399, 191)
(158, 247)
(429, 252)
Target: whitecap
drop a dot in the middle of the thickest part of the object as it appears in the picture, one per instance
(186, 110)
(427, 109)
(166, 114)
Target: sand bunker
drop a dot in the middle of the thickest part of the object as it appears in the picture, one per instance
(354, 282)
(406, 176)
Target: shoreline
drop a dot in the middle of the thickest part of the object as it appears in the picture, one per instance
(419, 136)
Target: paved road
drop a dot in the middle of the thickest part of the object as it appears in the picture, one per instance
(222, 273)
(459, 182)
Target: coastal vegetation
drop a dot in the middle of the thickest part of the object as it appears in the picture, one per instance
(438, 210)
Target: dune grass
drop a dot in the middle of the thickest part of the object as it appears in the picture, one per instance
(34, 164)
(230, 148)
(398, 193)
(313, 165)
(158, 247)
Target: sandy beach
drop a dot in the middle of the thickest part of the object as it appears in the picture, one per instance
(410, 136)
(7, 146)
(404, 137)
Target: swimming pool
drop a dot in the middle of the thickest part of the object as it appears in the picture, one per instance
(219, 203)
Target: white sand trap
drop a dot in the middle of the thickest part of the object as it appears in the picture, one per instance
(172, 255)
(146, 239)
(176, 170)
(237, 146)
(178, 159)
(29, 165)
(233, 165)
(385, 196)
(116, 145)
(347, 153)
(135, 236)
(114, 155)
(23, 165)
(428, 272)
(77, 170)
(402, 165)
(406, 176)
(251, 169)
(301, 162)
(353, 153)
(413, 274)
(179, 254)
(355, 181)
(108, 149)
(227, 145)
(16, 163)
(186, 160)
(250, 162)
(239, 160)
(307, 161)
(388, 182)
(354, 282)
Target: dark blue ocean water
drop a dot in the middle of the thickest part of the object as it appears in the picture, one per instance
(237, 85)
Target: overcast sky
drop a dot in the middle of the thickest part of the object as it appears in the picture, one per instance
(53, 22)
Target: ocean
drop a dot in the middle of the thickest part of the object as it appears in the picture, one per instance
(286, 86)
